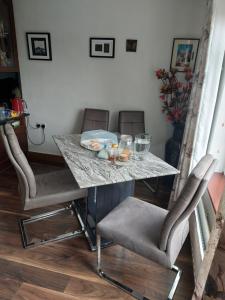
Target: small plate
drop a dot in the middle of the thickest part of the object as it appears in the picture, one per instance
(88, 144)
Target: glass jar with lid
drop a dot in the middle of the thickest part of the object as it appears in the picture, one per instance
(125, 147)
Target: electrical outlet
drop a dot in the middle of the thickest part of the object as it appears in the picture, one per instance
(43, 126)
(38, 125)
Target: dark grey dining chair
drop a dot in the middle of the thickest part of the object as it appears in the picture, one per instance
(42, 190)
(153, 232)
(95, 119)
(131, 122)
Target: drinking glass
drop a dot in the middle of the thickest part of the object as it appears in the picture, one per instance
(141, 145)
(125, 141)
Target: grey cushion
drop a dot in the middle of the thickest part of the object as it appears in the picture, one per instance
(20, 159)
(185, 198)
(54, 188)
(136, 225)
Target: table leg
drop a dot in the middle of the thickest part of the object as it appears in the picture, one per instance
(101, 200)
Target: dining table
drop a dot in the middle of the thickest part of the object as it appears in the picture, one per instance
(108, 183)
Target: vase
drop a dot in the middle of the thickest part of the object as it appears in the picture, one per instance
(178, 131)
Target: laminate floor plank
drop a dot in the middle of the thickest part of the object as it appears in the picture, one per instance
(8, 288)
(31, 292)
(22, 273)
(85, 289)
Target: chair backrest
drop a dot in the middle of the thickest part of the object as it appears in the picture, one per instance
(95, 119)
(18, 159)
(186, 203)
(131, 122)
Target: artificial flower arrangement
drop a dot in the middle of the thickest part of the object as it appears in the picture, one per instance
(175, 94)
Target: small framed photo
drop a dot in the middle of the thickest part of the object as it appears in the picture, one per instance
(39, 46)
(131, 45)
(102, 47)
(184, 54)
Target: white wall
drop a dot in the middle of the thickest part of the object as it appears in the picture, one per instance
(58, 91)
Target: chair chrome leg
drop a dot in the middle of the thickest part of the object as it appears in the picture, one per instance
(24, 234)
(99, 254)
(84, 227)
(176, 282)
(150, 187)
(112, 281)
(125, 288)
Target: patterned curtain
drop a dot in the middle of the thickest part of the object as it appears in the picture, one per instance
(186, 155)
(197, 131)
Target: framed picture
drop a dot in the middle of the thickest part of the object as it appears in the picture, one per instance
(102, 47)
(131, 45)
(184, 54)
(39, 46)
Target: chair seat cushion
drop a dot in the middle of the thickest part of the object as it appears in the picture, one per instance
(55, 187)
(136, 225)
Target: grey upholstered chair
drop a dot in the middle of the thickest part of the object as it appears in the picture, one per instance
(153, 232)
(95, 119)
(41, 190)
(131, 122)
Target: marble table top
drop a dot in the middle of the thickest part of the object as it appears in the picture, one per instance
(90, 171)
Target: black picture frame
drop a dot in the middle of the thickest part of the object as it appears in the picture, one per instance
(131, 45)
(184, 54)
(102, 47)
(39, 46)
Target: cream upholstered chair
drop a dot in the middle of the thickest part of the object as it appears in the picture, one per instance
(153, 232)
(41, 190)
(95, 119)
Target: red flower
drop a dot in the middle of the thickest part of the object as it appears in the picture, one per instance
(187, 70)
(165, 89)
(169, 118)
(185, 87)
(158, 73)
(161, 74)
(174, 94)
(188, 74)
(179, 85)
(177, 113)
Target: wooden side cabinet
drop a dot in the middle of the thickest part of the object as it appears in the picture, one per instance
(8, 49)
(9, 70)
(22, 137)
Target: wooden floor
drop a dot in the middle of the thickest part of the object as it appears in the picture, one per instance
(66, 270)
